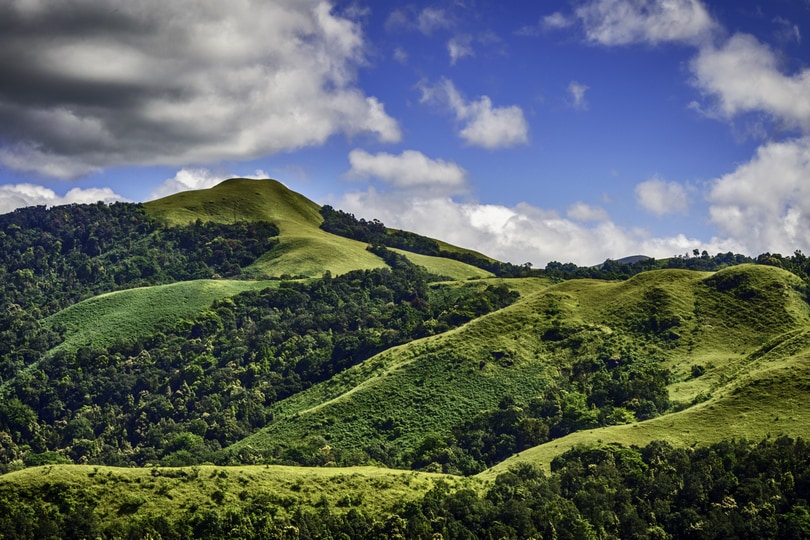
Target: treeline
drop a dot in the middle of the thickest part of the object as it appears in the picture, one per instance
(178, 397)
(376, 233)
(51, 258)
(732, 489)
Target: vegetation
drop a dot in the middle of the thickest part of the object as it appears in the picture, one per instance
(733, 489)
(52, 258)
(178, 397)
(336, 342)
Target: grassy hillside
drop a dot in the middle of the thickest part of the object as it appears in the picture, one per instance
(725, 323)
(304, 249)
(136, 313)
(122, 496)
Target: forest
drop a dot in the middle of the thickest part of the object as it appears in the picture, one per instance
(181, 395)
(732, 489)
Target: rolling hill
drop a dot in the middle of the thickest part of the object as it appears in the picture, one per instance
(470, 378)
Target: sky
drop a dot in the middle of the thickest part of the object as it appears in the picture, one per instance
(567, 130)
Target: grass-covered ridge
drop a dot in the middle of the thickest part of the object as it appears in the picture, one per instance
(133, 314)
(707, 329)
(128, 499)
(304, 248)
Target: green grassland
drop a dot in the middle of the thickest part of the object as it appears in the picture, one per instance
(743, 325)
(100, 321)
(130, 493)
(304, 249)
(440, 266)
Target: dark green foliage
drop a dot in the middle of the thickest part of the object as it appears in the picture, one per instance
(51, 258)
(178, 397)
(618, 270)
(592, 394)
(732, 489)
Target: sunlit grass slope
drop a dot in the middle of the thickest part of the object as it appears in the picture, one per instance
(125, 315)
(304, 248)
(426, 386)
(733, 323)
(445, 267)
(749, 330)
(129, 494)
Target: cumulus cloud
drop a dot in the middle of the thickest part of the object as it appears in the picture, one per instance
(521, 233)
(766, 202)
(581, 211)
(90, 84)
(661, 197)
(577, 91)
(743, 75)
(408, 169)
(460, 47)
(622, 22)
(13, 196)
(481, 123)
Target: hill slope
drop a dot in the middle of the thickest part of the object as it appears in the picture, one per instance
(724, 322)
(304, 249)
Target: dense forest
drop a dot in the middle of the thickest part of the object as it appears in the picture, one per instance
(51, 258)
(733, 489)
(179, 396)
(183, 394)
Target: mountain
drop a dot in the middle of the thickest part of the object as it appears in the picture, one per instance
(215, 345)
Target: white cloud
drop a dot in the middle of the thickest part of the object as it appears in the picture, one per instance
(431, 19)
(200, 178)
(622, 22)
(743, 74)
(401, 55)
(520, 233)
(556, 20)
(661, 197)
(765, 203)
(460, 47)
(577, 91)
(156, 83)
(581, 211)
(13, 196)
(482, 124)
(788, 31)
(408, 169)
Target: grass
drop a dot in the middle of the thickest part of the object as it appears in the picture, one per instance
(125, 315)
(445, 267)
(744, 325)
(304, 249)
(127, 493)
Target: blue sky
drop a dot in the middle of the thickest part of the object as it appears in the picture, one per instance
(532, 131)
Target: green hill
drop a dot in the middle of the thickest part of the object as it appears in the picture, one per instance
(723, 322)
(304, 249)
(369, 365)
(128, 315)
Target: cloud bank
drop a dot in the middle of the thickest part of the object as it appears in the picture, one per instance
(13, 196)
(88, 84)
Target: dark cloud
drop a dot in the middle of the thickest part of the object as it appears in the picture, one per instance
(90, 84)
